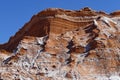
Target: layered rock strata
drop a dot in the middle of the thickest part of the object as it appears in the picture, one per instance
(59, 44)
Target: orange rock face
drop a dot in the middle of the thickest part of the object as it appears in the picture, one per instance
(64, 45)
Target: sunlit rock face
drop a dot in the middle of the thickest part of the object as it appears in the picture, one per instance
(59, 44)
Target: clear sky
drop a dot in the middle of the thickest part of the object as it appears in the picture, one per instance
(15, 13)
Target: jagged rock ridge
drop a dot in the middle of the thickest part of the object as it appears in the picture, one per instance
(64, 45)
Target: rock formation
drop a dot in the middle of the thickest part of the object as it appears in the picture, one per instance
(59, 44)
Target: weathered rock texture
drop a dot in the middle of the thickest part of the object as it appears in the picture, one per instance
(59, 44)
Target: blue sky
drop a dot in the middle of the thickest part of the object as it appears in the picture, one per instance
(15, 13)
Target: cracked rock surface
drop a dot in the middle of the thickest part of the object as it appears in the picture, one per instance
(59, 44)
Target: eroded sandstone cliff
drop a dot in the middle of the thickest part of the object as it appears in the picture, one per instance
(59, 44)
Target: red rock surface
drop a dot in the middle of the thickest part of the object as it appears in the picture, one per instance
(59, 44)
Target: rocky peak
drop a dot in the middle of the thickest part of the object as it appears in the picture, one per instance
(116, 13)
(87, 9)
(64, 45)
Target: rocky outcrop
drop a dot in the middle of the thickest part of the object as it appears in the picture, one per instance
(64, 45)
(46, 21)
